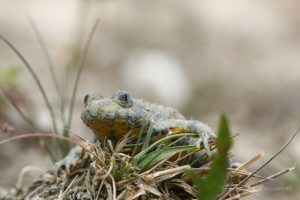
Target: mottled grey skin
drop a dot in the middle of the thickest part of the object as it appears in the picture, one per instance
(136, 113)
(111, 118)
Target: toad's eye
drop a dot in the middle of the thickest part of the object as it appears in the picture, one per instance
(123, 98)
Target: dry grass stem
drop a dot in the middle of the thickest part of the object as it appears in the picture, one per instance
(105, 172)
(251, 161)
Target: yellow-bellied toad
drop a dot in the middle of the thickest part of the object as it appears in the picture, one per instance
(111, 118)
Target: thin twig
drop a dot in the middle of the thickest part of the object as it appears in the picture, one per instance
(28, 196)
(244, 173)
(114, 187)
(185, 156)
(206, 170)
(85, 52)
(261, 167)
(167, 171)
(139, 193)
(251, 161)
(73, 141)
(243, 194)
(23, 172)
(28, 135)
(60, 197)
(126, 181)
(156, 165)
(104, 178)
(270, 178)
(122, 195)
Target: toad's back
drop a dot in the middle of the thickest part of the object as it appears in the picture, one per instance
(157, 112)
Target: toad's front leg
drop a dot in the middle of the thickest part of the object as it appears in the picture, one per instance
(68, 162)
(177, 126)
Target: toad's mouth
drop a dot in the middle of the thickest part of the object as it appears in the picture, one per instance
(116, 129)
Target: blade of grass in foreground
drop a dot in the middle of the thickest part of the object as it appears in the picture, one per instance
(148, 136)
(137, 157)
(162, 152)
(36, 79)
(209, 187)
(153, 157)
(137, 144)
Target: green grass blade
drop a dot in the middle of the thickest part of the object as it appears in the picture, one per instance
(81, 65)
(36, 79)
(213, 184)
(122, 171)
(159, 150)
(137, 144)
(148, 136)
(155, 156)
(142, 153)
(114, 168)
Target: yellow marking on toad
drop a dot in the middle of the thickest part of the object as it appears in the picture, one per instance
(104, 128)
(176, 130)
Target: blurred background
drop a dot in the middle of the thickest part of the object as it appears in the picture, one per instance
(204, 58)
